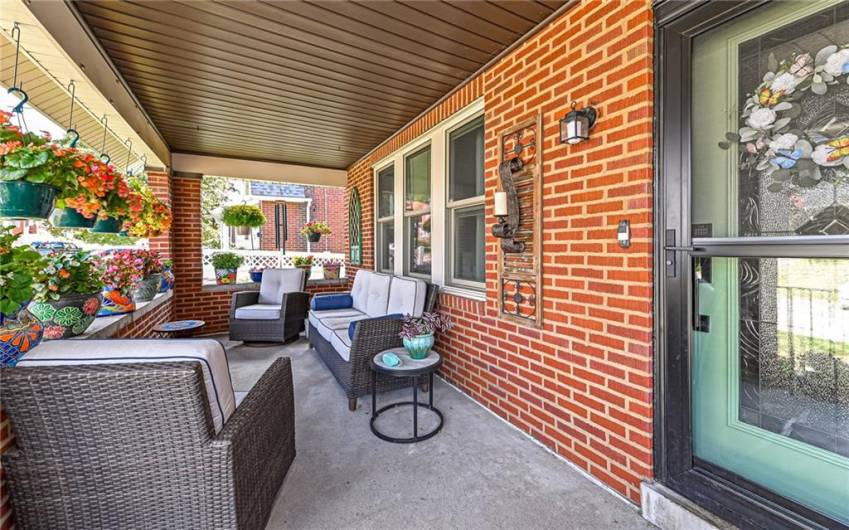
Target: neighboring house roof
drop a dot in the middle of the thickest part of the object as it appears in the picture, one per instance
(277, 189)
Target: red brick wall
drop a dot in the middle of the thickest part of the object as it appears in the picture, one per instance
(329, 205)
(581, 385)
(296, 216)
(160, 184)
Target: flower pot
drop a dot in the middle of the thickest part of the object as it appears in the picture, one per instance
(307, 271)
(26, 200)
(225, 276)
(313, 237)
(110, 225)
(71, 218)
(419, 346)
(168, 281)
(18, 336)
(115, 303)
(68, 316)
(331, 271)
(256, 276)
(145, 290)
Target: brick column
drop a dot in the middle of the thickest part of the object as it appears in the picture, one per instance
(160, 183)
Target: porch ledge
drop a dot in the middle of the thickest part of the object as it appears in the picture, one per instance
(106, 327)
(253, 286)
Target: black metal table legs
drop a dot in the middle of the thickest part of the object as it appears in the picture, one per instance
(416, 437)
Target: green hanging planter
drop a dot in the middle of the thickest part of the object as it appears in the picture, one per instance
(110, 225)
(71, 218)
(20, 199)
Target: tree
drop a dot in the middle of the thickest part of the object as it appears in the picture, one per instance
(213, 193)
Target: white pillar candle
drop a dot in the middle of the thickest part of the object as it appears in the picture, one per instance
(500, 203)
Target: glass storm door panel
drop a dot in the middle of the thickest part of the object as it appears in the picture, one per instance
(770, 192)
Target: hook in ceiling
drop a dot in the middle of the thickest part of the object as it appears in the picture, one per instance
(17, 88)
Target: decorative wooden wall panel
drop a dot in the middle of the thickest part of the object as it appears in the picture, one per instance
(520, 273)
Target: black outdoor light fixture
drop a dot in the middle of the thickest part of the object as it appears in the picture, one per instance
(576, 124)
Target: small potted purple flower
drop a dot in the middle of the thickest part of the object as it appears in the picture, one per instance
(417, 332)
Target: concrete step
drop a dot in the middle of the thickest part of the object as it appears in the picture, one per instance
(669, 510)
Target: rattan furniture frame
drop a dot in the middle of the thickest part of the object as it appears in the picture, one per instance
(371, 336)
(286, 328)
(133, 446)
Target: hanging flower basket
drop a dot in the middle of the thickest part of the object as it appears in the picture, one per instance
(314, 237)
(20, 199)
(110, 225)
(71, 218)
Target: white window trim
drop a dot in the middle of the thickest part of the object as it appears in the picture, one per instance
(381, 220)
(437, 137)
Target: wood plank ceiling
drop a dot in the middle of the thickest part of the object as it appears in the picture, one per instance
(316, 83)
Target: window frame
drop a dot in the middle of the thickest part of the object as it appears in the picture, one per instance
(409, 214)
(380, 221)
(437, 138)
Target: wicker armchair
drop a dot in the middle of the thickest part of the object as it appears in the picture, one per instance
(275, 313)
(371, 336)
(133, 446)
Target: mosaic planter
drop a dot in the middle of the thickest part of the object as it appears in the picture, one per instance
(26, 200)
(18, 336)
(331, 271)
(419, 346)
(146, 289)
(71, 218)
(168, 281)
(110, 225)
(115, 303)
(68, 316)
(225, 276)
(256, 276)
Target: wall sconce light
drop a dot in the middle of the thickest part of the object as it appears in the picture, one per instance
(507, 207)
(576, 124)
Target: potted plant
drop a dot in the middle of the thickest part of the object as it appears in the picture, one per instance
(314, 230)
(168, 278)
(304, 262)
(120, 271)
(226, 264)
(102, 192)
(147, 215)
(243, 215)
(331, 269)
(32, 172)
(21, 280)
(72, 296)
(150, 266)
(256, 274)
(417, 332)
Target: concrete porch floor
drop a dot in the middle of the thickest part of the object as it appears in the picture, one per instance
(478, 472)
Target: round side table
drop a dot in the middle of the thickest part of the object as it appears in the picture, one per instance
(178, 328)
(412, 369)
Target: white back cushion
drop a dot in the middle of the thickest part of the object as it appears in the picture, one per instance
(209, 353)
(407, 296)
(277, 282)
(370, 292)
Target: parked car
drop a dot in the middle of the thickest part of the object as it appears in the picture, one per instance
(46, 247)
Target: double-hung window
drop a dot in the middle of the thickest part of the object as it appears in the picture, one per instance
(417, 217)
(430, 206)
(386, 219)
(465, 206)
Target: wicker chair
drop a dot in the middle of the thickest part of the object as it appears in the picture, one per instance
(371, 336)
(275, 313)
(133, 446)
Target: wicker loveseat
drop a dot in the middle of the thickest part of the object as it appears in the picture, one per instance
(348, 329)
(275, 313)
(144, 444)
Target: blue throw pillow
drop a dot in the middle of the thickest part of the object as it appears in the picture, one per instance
(353, 325)
(331, 301)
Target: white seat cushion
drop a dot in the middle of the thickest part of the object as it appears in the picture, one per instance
(209, 353)
(341, 342)
(370, 292)
(407, 296)
(258, 312)
(316, 318)
(277, 282)
(327, 325)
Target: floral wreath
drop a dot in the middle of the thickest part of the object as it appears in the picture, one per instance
(791, 157)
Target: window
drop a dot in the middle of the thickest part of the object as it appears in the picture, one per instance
(385, 222)
(417, 212)
(465, 207)
(429, 206)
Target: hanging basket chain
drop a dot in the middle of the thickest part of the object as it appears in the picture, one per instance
(129, 143)
(103, 156)
(18, 88)
(72, 132)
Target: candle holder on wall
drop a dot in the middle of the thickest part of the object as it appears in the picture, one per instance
(518, 207)
(508, 220)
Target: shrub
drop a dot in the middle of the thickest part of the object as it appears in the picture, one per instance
(227, 260)
(316, 227)
(243, 215)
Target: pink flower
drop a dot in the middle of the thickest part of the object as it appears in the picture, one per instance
(91, 305)
(54, 332)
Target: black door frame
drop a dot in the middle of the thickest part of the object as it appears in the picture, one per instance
(730, 496)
